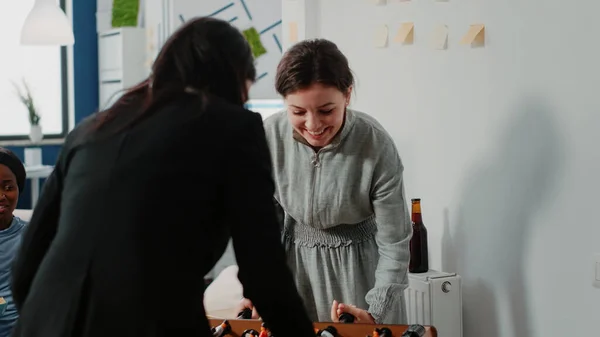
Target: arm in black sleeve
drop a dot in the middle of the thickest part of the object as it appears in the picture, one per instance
(263, 271)
(41, 230)
(38, 236)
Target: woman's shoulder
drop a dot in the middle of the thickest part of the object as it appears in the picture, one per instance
(277, 126)
(18, 225)
(214, 111)
(374, 137)
(20, 222)
(276, 122)
(366, 124)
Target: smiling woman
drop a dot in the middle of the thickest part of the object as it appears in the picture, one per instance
(43, 68)
(12, 180)
(340, 192)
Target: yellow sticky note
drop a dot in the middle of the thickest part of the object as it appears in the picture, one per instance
(406, 33)
(293, 31)
(440, 37)
(475, 35)
(381, 36)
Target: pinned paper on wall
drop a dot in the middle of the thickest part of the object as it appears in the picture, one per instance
(406, 33)
(293, 32)
(150, 47)
(440, 37)
(475, 36)
(381, 36)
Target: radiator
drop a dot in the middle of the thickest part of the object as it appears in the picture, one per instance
(435, 298)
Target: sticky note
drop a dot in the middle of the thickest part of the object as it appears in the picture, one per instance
(150, 47)
(440, 37)
(380, 40)
(475, 36)
(406, 33)
(253, 38)
(293, 32)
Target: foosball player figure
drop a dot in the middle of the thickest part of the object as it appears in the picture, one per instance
(329, 331)
(383, 332)
(250, 333)
(221, 329)
(264, 331)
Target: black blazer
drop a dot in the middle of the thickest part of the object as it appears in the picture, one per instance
(130, 222)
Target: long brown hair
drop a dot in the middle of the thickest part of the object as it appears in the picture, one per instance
(205, 56)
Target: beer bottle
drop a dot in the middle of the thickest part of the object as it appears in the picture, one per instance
(419, 253)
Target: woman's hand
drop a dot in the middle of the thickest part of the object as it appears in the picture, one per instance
(246, 303)
(362, 316)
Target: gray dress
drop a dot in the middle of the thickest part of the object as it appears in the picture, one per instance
(346, 227)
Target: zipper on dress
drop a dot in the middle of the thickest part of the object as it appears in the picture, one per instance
(316, 162)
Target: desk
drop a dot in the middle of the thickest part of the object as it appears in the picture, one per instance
(35, 173)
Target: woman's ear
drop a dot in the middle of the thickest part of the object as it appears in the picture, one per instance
(348, 95)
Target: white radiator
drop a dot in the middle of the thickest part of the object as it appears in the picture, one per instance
(435, 298)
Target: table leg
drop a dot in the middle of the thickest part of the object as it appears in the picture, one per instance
(35, 191)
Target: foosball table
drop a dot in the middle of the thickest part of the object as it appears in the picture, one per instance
(256, 328)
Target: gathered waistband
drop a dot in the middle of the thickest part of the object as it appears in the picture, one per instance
(341, 235)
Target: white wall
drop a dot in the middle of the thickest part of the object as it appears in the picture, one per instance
(501, 143)
(162, 18)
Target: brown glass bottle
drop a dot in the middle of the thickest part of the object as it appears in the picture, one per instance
(419, 252)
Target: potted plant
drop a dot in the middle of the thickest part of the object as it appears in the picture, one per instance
(35, 131)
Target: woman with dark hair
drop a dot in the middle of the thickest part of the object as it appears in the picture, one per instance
(339, 185)
(12, 182)
(128, 224)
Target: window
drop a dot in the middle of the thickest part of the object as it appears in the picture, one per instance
(43, 68)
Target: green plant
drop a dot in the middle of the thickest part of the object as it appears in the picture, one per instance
(125, 13)
(27, 99)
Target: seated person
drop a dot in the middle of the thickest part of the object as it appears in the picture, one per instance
(12, 180)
